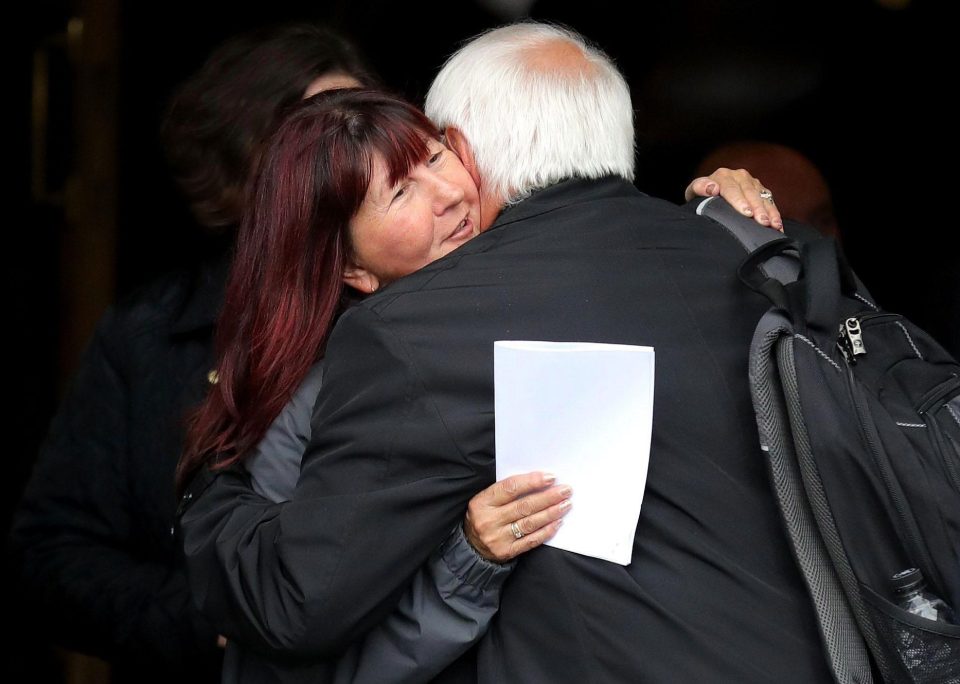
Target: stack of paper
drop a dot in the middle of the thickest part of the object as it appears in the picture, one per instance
(584, 412)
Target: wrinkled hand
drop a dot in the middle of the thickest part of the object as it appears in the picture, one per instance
(742, 192)
(533, 501)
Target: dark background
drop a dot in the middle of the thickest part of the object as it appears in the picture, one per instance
(859, 86)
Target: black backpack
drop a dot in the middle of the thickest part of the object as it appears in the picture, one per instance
(858, 413)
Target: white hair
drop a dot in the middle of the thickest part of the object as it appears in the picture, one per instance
(530, 121)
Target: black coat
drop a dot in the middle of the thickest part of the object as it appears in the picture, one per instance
(404, 436)
(92, 536)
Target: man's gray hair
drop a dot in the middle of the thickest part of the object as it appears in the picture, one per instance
(529, 121)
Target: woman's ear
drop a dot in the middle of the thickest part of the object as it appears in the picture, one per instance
(360, 279)
(458, 143)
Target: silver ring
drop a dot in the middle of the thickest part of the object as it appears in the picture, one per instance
(515, 528)
(766, 195)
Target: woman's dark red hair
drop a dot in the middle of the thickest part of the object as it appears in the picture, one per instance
(285, 287)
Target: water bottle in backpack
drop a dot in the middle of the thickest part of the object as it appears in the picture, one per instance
(914, 597)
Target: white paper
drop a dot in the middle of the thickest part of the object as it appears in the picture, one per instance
(583, 411)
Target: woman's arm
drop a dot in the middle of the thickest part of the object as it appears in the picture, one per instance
(456, 593)
(274, 464)
(450, 602)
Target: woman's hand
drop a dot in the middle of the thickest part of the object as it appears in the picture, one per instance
(515, 515)
(742, 192)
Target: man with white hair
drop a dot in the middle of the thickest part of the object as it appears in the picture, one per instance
(404, 426)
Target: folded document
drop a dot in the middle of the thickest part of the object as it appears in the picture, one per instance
(584, 412)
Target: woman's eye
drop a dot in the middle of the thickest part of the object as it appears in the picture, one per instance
(435, 157)
(401, 191)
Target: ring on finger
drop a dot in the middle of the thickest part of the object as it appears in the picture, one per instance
(766, 195)
(515, 528)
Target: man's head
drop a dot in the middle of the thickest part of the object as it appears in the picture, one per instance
(528, 105)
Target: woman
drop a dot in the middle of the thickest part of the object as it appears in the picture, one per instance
(304, 314)
(213, 144)
(356, 189)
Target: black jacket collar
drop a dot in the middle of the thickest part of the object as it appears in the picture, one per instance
(563, 194)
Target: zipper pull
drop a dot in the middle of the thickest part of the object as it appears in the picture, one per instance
(850, 340)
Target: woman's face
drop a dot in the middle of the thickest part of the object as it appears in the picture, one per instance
(403, 227)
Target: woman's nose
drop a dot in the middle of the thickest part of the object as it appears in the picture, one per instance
(446, 194)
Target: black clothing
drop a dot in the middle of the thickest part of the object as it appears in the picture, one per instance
(92, 535)
(403, 436)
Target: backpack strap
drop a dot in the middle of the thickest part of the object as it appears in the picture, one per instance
(780, 268)
(751, 235)
(753, 274)
(828, 280)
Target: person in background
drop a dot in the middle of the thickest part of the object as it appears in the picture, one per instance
(92, 534)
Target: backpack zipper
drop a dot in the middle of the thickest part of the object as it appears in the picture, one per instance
(850, 336)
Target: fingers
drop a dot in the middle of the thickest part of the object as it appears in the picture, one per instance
(532, 523)
(742, 191)
(732, 189)
(513, 487)
(529, 541)
(775, 220)
(519, 501)
(530, 506)
(701, 187)
(764, 210)
(534, 530)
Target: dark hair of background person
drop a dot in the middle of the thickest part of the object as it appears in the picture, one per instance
(218, 120)
(285, 288)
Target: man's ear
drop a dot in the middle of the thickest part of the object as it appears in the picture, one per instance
(360, 279)
(458, 143)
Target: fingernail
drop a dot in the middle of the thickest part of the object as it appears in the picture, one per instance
(566, 492)
(764, 219)
(565, 505)
(712, 188)
(746, 211)
(779, 225)
(549, 478)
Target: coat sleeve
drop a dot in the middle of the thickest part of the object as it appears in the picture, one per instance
(381, 486)
(274, 463)
(447, 608)
(79, 556)
(450, 601)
